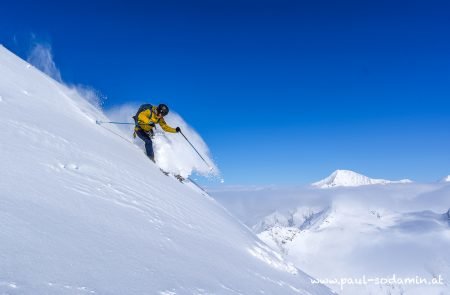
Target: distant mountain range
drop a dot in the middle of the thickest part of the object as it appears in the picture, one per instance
(373, 231)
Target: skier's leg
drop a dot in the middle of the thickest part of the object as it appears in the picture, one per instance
(148, 144)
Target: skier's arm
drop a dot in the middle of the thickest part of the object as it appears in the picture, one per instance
(166, 127)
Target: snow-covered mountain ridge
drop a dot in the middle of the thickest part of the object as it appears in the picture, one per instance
(350, 178)
(301, 218)
(83, 211)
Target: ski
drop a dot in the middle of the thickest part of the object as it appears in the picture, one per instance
(180, 178)
(176, 176)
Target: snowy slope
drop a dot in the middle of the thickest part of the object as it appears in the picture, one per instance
(83, 211)
(350, 178)
(371, 231)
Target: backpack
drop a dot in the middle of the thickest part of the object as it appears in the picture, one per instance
(142, 108)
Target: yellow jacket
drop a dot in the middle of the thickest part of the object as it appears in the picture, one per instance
(147, 119)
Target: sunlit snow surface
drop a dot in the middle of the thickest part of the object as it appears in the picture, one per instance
(83, 211)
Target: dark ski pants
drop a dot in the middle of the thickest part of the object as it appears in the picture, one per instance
(148, 143)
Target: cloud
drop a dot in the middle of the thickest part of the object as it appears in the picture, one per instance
(41, 57)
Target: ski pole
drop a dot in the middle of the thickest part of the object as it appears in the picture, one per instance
(120, 123)
(102, 122)
(196, 151)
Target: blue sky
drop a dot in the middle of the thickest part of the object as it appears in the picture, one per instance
(283, 92)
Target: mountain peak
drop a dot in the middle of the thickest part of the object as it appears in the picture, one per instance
(446, 179)
(351, 178)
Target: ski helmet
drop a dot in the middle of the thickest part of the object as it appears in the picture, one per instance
(163, 109)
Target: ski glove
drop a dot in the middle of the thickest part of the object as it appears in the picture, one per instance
(178, 129)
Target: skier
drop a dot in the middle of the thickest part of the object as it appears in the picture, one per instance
(145, 119)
